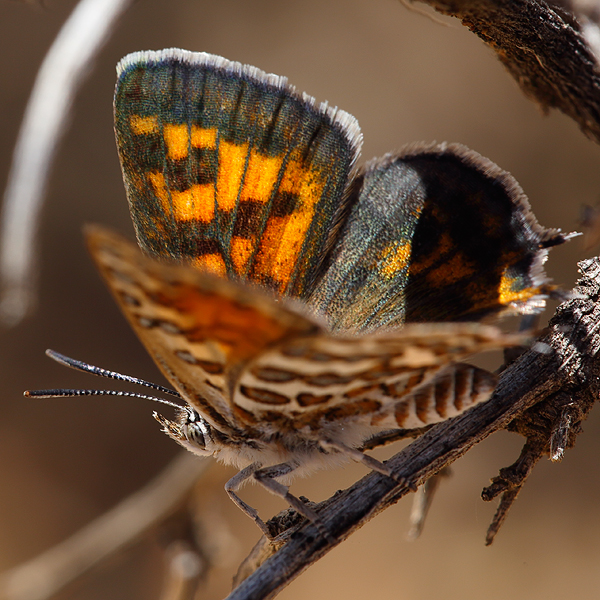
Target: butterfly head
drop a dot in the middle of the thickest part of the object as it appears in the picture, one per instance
(190, 431)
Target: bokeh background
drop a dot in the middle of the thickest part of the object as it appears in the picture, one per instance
(406, 77)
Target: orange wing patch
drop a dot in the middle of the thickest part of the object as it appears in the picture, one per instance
(143, 125)
(204, 138)
(284, 234)
(509, 292)
(177, 140)
(394, 259)
(244, 176)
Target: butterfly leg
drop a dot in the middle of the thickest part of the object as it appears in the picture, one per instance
(267, 478)
(365, 459)
(234, 484)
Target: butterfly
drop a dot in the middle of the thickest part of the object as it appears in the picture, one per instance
(301, 305)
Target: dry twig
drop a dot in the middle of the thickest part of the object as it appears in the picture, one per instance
(58, 80)
(543, 48)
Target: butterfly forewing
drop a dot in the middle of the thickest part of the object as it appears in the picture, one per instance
(200, 329)
(229, 168)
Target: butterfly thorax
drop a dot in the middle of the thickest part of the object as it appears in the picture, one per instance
(268, 444)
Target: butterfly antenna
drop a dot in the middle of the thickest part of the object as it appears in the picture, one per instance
(79, 365)
(64, 393)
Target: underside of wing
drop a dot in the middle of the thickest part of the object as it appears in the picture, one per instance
(439, 233)
(200, 329)
(407, 379)
(230, 169)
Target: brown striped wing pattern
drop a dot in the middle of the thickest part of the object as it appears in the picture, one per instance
(404, 380)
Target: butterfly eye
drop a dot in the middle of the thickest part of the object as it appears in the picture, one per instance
(197, 430)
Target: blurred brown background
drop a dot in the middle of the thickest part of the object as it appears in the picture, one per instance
(406, 78)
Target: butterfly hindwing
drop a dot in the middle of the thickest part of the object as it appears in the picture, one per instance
(230, 169)
(438, 233)
(403, 379)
